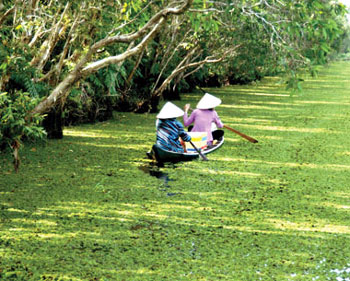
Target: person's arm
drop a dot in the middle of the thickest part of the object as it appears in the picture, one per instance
(188, 120)
(182, 133)
(217, 120)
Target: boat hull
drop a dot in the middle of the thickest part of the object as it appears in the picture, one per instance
(163, 156)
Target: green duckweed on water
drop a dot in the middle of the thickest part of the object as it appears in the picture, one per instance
(86, 208)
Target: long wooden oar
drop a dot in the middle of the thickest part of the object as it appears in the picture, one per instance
(199, 152)
(241, 134)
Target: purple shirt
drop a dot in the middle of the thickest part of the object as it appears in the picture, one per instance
(202, 119)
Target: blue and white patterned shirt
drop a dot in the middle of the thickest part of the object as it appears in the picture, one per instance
(168, 133)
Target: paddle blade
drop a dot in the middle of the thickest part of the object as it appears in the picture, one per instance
(241, 134)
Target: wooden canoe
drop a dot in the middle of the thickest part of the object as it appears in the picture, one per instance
(163, 156)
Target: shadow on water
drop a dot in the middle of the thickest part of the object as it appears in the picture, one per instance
(153, 169)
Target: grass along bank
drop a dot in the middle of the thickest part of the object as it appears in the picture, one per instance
(82, 208)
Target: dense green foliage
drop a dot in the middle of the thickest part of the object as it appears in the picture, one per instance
(83, 209)
(14, 124)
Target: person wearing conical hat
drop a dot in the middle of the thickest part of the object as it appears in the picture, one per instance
(169, 129)
(204, 116)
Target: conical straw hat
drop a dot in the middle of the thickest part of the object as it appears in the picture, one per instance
(170, 110)
(208, 101)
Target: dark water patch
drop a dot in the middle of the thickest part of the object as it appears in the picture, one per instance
(154, 170)
(173, 193)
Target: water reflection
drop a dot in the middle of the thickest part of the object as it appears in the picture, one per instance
(153, 169)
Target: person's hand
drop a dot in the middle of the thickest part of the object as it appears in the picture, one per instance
(187, 107)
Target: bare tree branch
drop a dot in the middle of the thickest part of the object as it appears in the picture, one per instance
(50, 43)
(4, 16)
(178, 70)
(168, 61)
(93, 67)
(135, 67)
(132, 20)
(56, 70)
(182, 67)
(126, 38)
